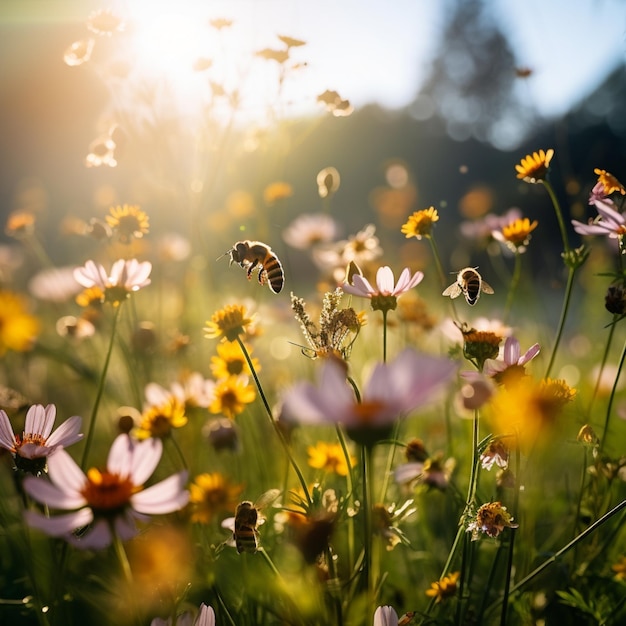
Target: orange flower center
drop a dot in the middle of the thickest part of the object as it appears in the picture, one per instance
(107, 493)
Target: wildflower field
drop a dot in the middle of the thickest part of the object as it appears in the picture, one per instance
(219, 408)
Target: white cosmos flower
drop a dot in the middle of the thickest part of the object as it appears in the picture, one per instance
(36, 444)
(385, 283)
(126, 276)
(385, 616)
(107, 501)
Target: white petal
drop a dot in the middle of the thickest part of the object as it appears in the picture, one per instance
(146, 457)
(7, 436)
(125, 526)
(59, 525)
(51, 495)
(65, 473)
(530, 354)
(384, 280)
(206, 617)
(164, 497)
(385, 616)
(120, 456)
(67, 433)
(511, 351)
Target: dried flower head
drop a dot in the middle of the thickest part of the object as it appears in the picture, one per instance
(104, 22)
(337, 329)
(479, 345)
(533, 168)
(491, 518)
(328, 181)
(615, 299)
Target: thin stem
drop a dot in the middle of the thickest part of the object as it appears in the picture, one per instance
(517, 272)
(122, 557)
(384, 335)
(589, 530)
(509, 568)
(279, 433)
(559, 214)
(611, 398)
(96, 405)
(566, 303)
(350, 487)
(605, 356)
(367, 473)
(442, 277)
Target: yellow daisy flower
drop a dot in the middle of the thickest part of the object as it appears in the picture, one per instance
(231, 361)
(516, 235)
(420, 224)
(231, 396)
(159, 420)
(330, 458)
(91, 296)
(229, 322)
(620, 568)
(533, 168)
(277, 191)
(609, 182)
(18, 328)
(211, 494)
(445, 588)
(128, 221)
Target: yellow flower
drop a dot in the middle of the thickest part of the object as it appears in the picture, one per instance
(516, 234)
(420, 224)
(211, 494)
(277, 191)
(231, 361)
(609, 182)
(330, 458)
(20, 224)
(91, 296)
(231, 396)
(18, 329)
(229, 322)
(534, 167)
(480, 345)
(445, 588)
(128, 221)
(158, 420)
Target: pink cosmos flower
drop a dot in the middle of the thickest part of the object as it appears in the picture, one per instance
(394, 389)
(385, 616)
(384, 282)
(611, 223)
(125, 277)
(206, 617)
(107, 501)
(36, 444)
(511, 357)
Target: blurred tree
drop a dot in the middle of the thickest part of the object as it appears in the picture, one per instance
(472, 84)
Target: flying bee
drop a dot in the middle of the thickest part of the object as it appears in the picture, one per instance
(247, 518)
(469, 283)
(253, 255)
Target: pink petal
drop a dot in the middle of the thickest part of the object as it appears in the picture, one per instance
(360, 287)
(7, 436)
(385, 616)
(384, 280)
(65, 473)
(511, 351)
(40, 420)
(206, 617)
(146, 457)
(125, 527)
(530, 354)
(47, 493)
(59, 525)
(164, 497)
(606, 208)
(120, 456)
(67, 433)
(408, 472)
(590, 229)
(96, 538)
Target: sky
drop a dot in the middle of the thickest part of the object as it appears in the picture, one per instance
(379, 50)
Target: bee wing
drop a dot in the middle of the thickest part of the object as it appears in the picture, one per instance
(454, 291)
(486, 287)
(267, 498)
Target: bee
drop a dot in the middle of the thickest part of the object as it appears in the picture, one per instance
(252, 255)
(469, 283)
(247, 518)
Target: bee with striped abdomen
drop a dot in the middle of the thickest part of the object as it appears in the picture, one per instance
(253, 255)
(469, 283)
(247, 518)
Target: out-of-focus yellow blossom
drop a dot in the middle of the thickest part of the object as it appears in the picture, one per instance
(18, 328)
(231, 396)
(275, 192)
(20, 224)
(128, 221)
(445, 588)
(329, 457)
(210, 495)
(533, 168)
(516, 235)
(231, 361)
(159, 420)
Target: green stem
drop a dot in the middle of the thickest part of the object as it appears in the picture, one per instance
(350, 487)
(566, 303)
(384, 335)
(517, 272)
(559, 214)
(96, 405)
(605, 357)
(611, 398)
(368, 539)
(442, 277)
(122, 557)
(279, 433)
(509, 568)
(589, 530)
